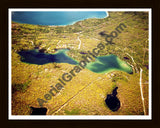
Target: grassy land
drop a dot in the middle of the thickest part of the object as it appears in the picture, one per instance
(86, 92)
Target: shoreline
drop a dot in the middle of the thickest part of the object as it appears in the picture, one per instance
(107, 14)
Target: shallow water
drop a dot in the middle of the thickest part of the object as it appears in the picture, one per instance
(55, 17)
(108, 63)
(103, 64)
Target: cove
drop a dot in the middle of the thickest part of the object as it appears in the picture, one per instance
(102, 64)
(55, 17)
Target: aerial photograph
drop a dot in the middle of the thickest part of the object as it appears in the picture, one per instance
(83, 62)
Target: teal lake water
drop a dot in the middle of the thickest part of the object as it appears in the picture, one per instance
(103, 64)
(108, 63)
(55, 17)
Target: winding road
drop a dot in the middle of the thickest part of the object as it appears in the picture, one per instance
(79, 43)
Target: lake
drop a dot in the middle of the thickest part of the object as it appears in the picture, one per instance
(55, 17)
(40, 58)
(108, 63)
(102, 64)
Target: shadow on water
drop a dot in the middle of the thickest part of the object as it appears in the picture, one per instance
(112, 101)
(38, 111)
(40, 58)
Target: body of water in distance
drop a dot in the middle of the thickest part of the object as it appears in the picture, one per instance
(55, 18)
